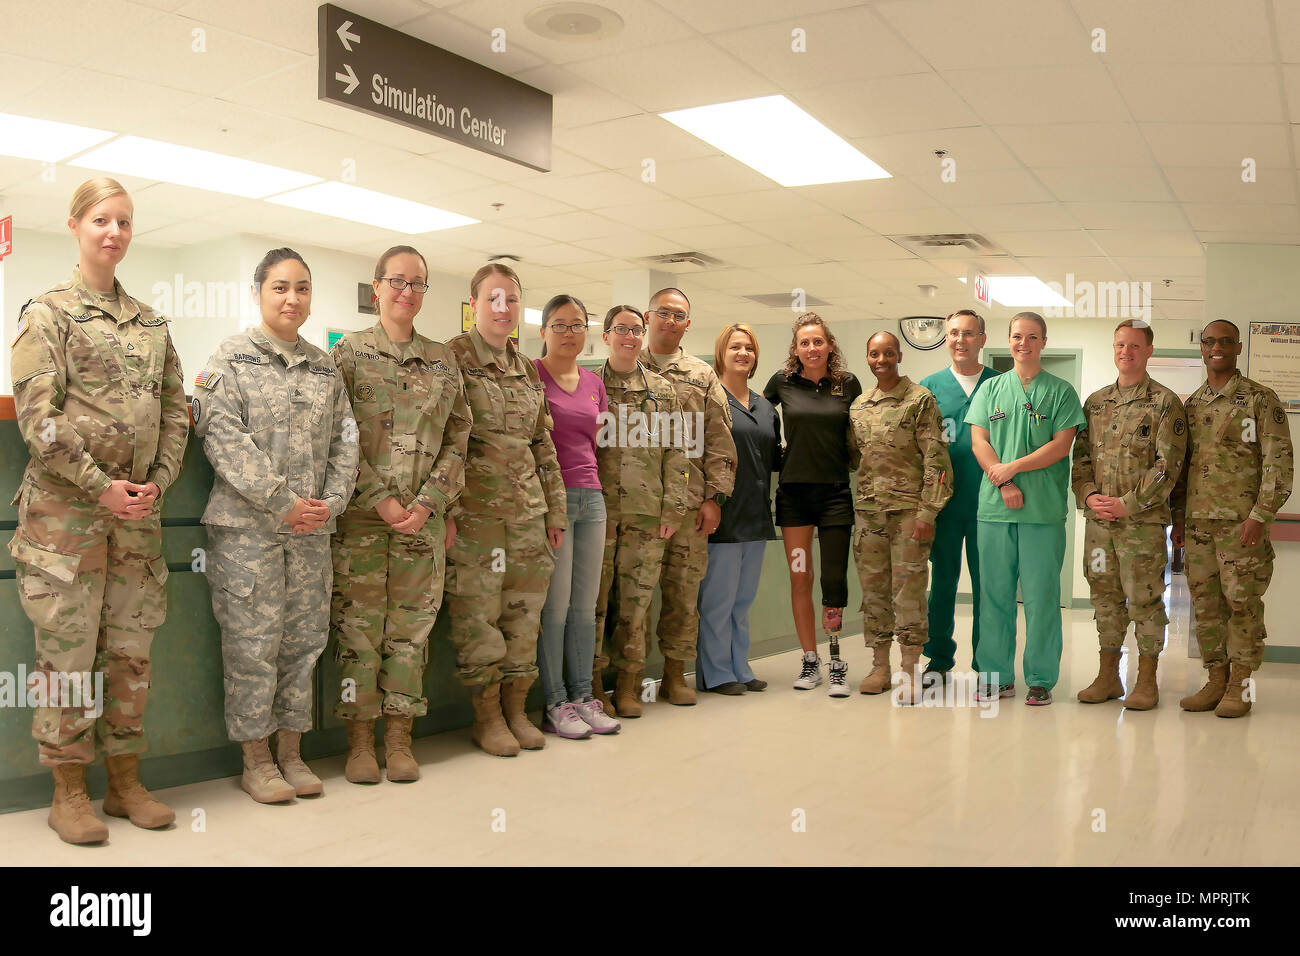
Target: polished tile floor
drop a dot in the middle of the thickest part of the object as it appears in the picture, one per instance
(792, 777)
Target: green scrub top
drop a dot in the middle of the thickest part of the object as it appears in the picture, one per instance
(967, 474)
(1016, 431)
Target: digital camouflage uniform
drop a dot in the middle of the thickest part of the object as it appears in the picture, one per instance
(412, 426)
(644, 482)
(1132, 447)
(274, 432)
(499, 568)
(1239, 465)
(903, 474)
(686, 555)
(99, 396)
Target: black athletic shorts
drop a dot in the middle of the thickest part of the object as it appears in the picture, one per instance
(821, 505)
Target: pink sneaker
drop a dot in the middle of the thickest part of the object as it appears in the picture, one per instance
(593, 713)
(563, 721)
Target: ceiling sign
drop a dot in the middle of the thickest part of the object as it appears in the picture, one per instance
(375, 69)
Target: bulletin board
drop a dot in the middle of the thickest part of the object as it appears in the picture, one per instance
(1273, 360)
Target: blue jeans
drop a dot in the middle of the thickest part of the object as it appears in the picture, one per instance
(568, 639)
(726, 594)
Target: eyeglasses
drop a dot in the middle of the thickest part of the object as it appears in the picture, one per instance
(1227, 341)
(559, 328)
(668, 315)
(419, 288)
(636, 331)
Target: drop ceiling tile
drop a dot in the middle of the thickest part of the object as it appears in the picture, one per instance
(985, 185)
(1055, 243)
(811, 228)
(885, 269)
(1183, 311)
(1200, 93)
(525, 203)
(629, 245)
(1218, 144)
(185, 233)
(761, 256)
(631, 140)
(1181, 31)
(444, 30)
(1118, 244)
(1154, 268)
(741, 281)
(704, 238)
(890, 104)
(558, 254)
(180, 202)
(706, 176)
(1157, 216)
(576, 102)
(772, 203)
(714, 15)
(1073, 184)
(913, 221)
(1077, 144)
(872, 194)
(1048, 94)
(571, 226)
(420, 178)
(605, 188)
(1286, 14)
(852, 250)
(43, 30)
(1280, 238)
(1232, 217)
(101, 101)
(222, 127)
(14, 171)
(1020, 216)
(661, 216)
(329, 154)
(913, 154)
(22, 76)
(955, 34)
(1225, 185)
(1092, 267)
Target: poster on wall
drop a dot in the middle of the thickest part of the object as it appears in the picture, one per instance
(1274, 360)
(467, 321)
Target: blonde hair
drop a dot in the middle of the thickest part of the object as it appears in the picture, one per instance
(724, 339)
(91, 193)
(490, 269)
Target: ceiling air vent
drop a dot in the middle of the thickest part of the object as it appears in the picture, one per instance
(683, 262)
(954, 245)
(782, 300)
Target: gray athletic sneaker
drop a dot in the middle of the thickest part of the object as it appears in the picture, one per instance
(839, 679)
(811, 675)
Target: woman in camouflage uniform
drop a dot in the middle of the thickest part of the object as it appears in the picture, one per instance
(100, 402)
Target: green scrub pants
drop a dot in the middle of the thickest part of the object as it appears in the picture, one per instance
(1031, 554)
(945, 572)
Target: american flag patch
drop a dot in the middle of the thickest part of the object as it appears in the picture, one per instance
(207, 379)
(22, 327)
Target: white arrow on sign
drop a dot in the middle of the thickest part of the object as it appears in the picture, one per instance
(347, 77)
(345, 36)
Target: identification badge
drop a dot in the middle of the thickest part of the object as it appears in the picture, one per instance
(994, 418)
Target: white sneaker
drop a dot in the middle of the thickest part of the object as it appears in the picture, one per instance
(593, 714)
(563, 721)
(839, 679)
(811, 675)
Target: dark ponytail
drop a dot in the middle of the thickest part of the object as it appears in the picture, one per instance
(556, 301)
(273, 258)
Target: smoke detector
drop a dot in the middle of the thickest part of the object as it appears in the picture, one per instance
(574, 22)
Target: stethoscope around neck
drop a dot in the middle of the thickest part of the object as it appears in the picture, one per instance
(645, 384)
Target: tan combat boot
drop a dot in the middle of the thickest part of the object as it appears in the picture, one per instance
(627, 694)
(674, 688)
(261, 780)
(879, 680)
(70, 814)
(490, 730)
(1107, 685)
(598, 691)
(293, 768)
(1231, 705)
(399, 762)
(910, 690)
(1145, 695)
(513, 694)
(1208, 697)
(127, 797)
(361, 767)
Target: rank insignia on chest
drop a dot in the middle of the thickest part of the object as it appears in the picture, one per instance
(207, 379)
(1145, 431)
(365, 393)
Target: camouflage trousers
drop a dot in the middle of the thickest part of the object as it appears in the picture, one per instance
(686, 559)
(498, 573)
(387, 591)
(893, 572)
(271, 598)
(1228, 581)
(94, 588)
(628, 575)
(1124, 563)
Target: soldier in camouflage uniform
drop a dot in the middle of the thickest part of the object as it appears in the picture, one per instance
(644, 479)
(1127, 458)
(509, 518)
(276, 425)
(903, 480)
(1239, 469)
(390, 548)
(100, 401)
(711, 458)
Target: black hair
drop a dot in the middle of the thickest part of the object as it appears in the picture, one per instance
(1225, 322)
(555, 302)
(273, 258)
(898, 346)
(671, 289)
(609, 316)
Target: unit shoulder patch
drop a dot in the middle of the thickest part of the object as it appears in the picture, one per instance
(1279, 416)
(1179, 426)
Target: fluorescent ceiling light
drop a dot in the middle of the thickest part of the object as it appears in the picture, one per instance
(375, 209)
(184, 166)
(45, 140)
(780, 140)
(1017, 291)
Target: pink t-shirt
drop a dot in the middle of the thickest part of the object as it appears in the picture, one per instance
(575, 420)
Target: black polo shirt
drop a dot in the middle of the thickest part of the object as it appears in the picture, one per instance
(756, 430)
(816, 417)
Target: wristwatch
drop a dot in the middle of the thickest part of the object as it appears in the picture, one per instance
(719, 499)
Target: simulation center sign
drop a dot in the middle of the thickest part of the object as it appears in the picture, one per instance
(375, 69)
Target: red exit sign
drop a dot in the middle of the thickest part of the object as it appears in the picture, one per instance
(6, 236)
(981, 289)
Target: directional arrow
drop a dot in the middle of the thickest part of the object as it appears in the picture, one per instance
(347, 77)
(345, 36)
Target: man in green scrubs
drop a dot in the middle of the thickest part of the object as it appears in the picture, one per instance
(952, 389)
(1022, 426)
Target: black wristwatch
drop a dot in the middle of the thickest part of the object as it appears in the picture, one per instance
(719, 499)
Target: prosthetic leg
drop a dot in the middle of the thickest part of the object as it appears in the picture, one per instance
(832, 622)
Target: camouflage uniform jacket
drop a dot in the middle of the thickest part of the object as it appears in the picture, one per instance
(641, 477)
(700, 392)
(511, 471)
(1132, 447)
(897, 451)
(412, 419)
(1239, 456)
(272, 432)
(98, 390)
